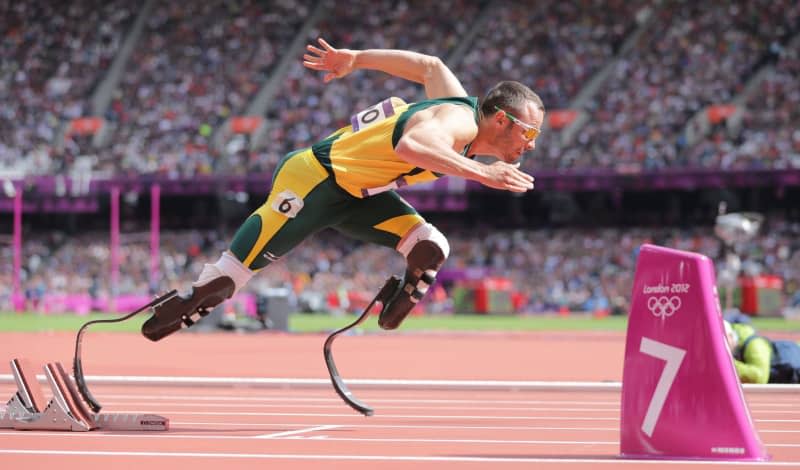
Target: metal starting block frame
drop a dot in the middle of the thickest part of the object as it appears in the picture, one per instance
(66, 411)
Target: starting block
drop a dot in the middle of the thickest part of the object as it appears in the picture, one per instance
(681, 397)
(66, 411)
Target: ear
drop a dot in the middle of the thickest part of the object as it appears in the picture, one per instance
(499, 117)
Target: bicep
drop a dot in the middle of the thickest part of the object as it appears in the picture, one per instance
(440, 82)
(424, 137)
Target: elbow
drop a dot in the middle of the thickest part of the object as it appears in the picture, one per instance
(433, 67)
(435, 63)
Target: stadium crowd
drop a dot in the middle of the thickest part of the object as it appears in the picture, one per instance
(581, 270)
(52, 56)
(195, 65)
(694, 55)
(761, 140)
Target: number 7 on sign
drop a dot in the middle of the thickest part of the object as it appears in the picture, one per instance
(673, 357)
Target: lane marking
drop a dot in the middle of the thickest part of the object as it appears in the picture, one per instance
(336, 404)
(404, 426)
(339, 405)
(394, 416)
(212, 425)
(297, 431)
(381, 416)
(294, 435)
(524, 385)
(328, 399)
(612, 460)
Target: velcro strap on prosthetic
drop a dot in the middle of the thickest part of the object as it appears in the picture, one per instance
(418, 291)
(194, 317)
(424, 260)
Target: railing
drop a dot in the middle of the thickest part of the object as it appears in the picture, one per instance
(65, 194)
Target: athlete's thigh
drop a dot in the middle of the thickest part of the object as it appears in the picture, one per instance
(383, 219)
(303, 200)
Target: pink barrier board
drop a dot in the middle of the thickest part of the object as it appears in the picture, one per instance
(681, 397)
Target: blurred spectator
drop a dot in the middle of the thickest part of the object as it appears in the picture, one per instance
(580, 270)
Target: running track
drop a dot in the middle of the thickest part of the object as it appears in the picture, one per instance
(308, 427)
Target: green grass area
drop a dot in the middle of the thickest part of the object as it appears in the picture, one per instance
(303, 323)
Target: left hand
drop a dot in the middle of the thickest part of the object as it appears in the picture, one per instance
(337, 62)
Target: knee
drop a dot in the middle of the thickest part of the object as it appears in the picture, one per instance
(424, 231)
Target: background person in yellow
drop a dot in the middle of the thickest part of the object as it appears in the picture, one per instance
(760, 360)
(347, 180)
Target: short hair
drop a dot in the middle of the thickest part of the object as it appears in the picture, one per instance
(510, 96)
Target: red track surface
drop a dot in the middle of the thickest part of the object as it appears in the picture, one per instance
(247, 428)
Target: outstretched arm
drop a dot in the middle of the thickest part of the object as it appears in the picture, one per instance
(429, 140)
(427, 70)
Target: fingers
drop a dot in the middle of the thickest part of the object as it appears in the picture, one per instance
(518, 187)
(325, 44)
(316, 50)
(526, 180)
(314, 65)
(518, 181)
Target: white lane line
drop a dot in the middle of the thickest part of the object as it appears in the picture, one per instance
(401, 426)
(493, 442)
(339, 405)
(394, 416)
(415, 384)
(294, 435)
(328, 399)
(403, 416)
(297, 431)
(611, 460)
(325, 397)
(376, 416)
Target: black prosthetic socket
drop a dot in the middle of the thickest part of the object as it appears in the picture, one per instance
(424, 262)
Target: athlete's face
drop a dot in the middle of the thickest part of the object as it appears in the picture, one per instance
(517, 131)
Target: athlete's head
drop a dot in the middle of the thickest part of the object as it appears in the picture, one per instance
(730, 335)
(513, 116)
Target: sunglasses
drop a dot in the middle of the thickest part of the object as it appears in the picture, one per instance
(529, 131)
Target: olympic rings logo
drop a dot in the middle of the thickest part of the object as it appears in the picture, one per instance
(663, 306)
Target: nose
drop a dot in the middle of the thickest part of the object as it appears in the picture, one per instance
(531, 145)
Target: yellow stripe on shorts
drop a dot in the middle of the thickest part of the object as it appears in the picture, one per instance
(400, 225)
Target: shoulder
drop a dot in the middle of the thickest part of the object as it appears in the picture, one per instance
(462, 111)
(447, 120)
(756, 346)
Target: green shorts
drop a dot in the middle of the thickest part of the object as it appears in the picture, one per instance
(305, 199)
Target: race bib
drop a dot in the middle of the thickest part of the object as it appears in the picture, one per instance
(372, 115)
(288, 204)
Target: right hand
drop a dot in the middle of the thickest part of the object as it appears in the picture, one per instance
(337, 62)
(502, 175)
